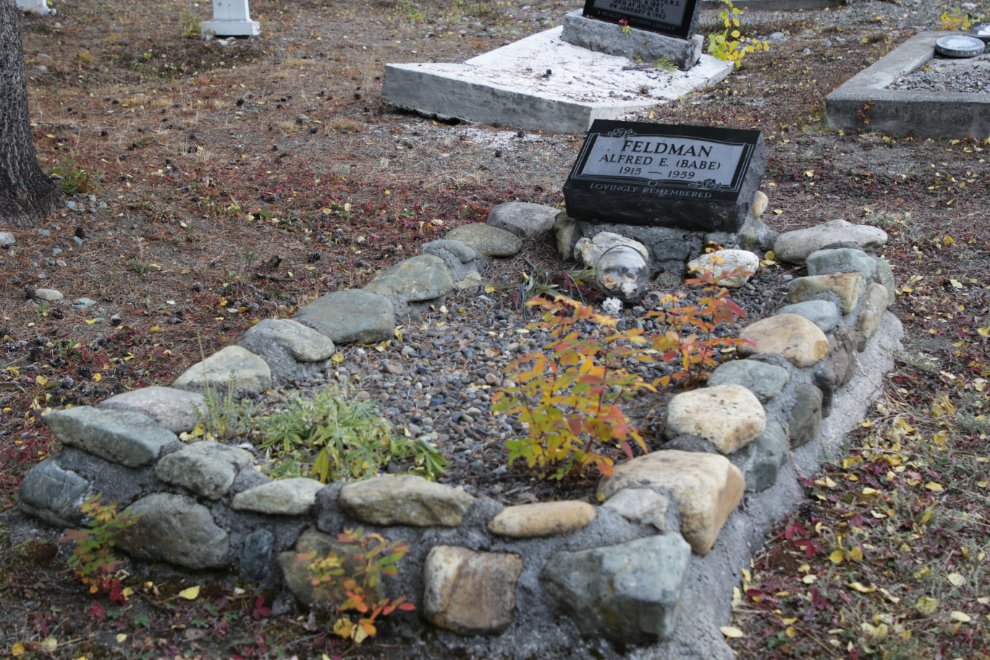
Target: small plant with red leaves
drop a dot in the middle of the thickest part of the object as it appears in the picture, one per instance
(93, 559)
(357, 576)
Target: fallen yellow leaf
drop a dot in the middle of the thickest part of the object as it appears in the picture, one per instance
(731, 631)
(926, 605)
(861, 588)
(956, 579)
(931, 485)
(192, 593)
(18, 650)
(960, 616)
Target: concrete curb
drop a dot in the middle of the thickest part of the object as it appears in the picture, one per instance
(865, 103)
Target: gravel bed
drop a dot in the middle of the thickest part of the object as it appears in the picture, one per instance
(438, 380)
(945, 74)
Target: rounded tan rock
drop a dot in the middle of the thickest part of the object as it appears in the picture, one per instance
(760, 204)
(543, 519)
(707, 488)
(848, 286)
(795, 337)
(469, 592)
(729, 416)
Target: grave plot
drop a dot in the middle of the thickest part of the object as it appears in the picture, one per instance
(896, 94)
(647, 554)
(600, 65)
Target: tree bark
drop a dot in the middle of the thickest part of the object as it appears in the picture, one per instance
(27, 195)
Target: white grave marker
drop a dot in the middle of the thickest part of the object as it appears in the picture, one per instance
(39, 7)
(231, 18)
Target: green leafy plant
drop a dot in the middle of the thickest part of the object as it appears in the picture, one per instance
(665, 64)
(729, 45)
(190, 25)
(74, 179)
(957, 19)
(351, 439)
(224, 416)
(567, 399)
(357, 577)
(92, 559)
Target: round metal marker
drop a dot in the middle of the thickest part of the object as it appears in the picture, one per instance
(982, 32)
(959, 46)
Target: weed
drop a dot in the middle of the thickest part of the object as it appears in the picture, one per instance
(139, 266)
(727, 45)
(665, 64)
(224, 416)
(957, 19)
(352, 439)
(357, 576)
(190, 25)
(93, 559)
(74, 179)
(409, 8)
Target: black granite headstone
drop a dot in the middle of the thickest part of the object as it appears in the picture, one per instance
(677, 18)
(688, 177)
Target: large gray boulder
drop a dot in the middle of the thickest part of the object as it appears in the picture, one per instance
(629, 592)
(523, 219)
(175, 529)
(175, 410)
(205, 468)
(764, 380)
(417, 279)
(232, 364)
(489, 241)
(292, 350)
(794, 247)
(130, 439)
(823, 313)
(52, 494)
(350, 317)
(829, 261)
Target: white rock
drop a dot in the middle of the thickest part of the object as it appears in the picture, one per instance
(794, 247)
(723, 262)
(728, 416)
(51, 295)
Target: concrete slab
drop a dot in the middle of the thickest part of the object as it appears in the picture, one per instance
(865, 103)
(510, 85)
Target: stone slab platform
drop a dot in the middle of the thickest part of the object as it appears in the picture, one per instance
(510, 85)
(925, 114)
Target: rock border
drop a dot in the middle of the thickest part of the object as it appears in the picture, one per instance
(653, 564)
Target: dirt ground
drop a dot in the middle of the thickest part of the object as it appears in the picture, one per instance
(218, 183)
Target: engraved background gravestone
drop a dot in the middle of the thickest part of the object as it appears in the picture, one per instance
(677, 18)
(688, 177)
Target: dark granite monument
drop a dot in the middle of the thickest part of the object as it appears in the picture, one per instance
(676, 18)
(688, 177)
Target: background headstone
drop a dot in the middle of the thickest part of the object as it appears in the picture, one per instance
(678, 18)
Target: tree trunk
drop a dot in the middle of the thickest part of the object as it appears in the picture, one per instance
(27, 195)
